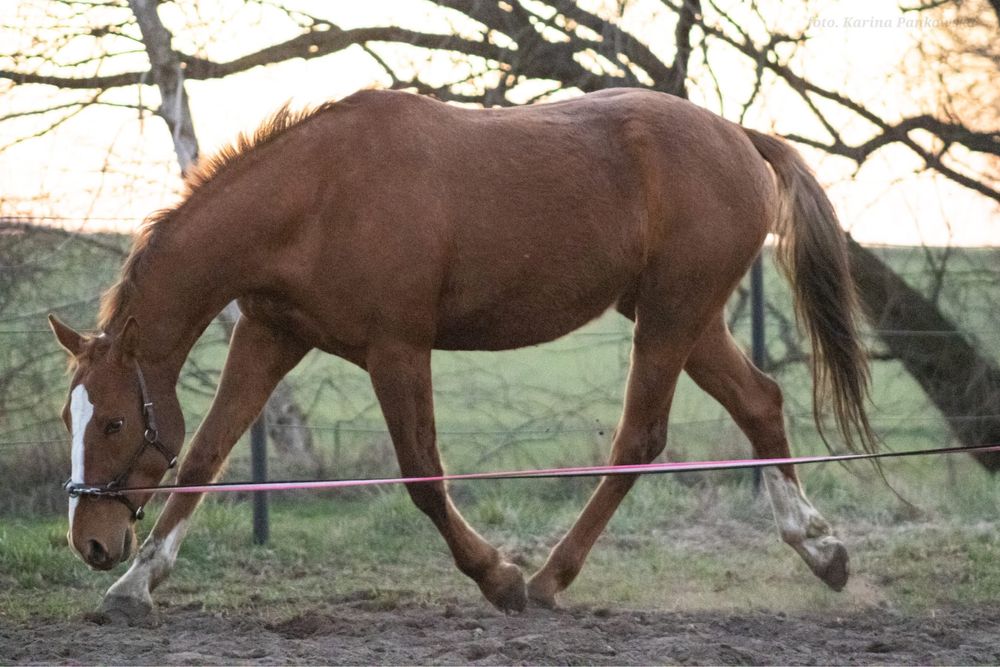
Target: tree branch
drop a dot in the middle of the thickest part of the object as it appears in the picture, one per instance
(898, 133)
(168, 74)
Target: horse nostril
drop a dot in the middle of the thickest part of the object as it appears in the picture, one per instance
(97, 555)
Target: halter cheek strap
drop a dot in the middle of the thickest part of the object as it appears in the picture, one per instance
(150, 438)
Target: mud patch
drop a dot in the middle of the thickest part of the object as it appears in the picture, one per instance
(364, 629)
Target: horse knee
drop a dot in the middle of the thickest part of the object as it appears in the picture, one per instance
(429, 499)
(641, 445)
(200, 465)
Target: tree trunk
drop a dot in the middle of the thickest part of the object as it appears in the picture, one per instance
(168, 75)
(962, 383)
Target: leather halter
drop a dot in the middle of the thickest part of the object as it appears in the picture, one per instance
(150, 438)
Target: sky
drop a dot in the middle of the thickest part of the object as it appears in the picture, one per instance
(110, 167)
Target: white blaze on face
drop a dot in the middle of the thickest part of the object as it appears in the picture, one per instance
(81, 411)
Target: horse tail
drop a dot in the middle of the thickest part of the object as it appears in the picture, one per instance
(812, 252)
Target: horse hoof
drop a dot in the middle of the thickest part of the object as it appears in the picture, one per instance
(837, 570)
(541, 592)
(504, 588)
(121, 610)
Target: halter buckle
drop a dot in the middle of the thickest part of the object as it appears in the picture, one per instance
(150, 435)
(77, 490)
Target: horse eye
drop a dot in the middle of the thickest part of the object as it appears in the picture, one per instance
(114, 426)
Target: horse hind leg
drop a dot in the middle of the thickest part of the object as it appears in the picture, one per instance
(657, 358)
(754, 400)
(401, 376)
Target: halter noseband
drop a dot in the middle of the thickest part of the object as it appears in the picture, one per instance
(150, 438)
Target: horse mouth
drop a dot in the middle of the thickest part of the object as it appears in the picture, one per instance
(102, 566)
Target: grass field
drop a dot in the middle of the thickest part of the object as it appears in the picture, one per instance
(701, 541)
(671, 547)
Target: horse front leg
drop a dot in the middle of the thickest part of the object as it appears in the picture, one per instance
(401, 376)
(258, 358)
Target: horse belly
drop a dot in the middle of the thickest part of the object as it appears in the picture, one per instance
(514, 326)
(533, 301)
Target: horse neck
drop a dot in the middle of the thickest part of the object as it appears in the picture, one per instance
(200, 262)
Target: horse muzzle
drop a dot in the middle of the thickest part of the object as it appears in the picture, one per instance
(104, 553)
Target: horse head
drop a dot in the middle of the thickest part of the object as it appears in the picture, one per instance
(126, 428)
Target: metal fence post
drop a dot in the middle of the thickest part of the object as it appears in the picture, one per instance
(336, 446)
(758, 344)
(258, 471)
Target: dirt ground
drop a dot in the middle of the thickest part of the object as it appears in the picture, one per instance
(367, 630)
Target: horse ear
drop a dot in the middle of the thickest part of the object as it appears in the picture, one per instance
(128, 339)
(70, 340)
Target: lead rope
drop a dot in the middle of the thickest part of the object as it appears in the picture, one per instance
(547, 473)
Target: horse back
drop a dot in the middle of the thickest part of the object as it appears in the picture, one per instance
(497, 228)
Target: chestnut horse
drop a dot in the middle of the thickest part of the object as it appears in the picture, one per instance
(385, 225)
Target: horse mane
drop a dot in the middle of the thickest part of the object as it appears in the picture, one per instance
(197, 176)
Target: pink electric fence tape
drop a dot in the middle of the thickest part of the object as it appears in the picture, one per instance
(581, 471)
